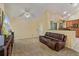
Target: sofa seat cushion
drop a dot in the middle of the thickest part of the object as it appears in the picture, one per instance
(61, 43)
(52, 44)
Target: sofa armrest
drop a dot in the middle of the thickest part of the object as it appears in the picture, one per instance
(41, 36)
(59, 45)
(64, 39)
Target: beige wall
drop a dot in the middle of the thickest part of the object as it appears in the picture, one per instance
(2, 6)
(27, 29)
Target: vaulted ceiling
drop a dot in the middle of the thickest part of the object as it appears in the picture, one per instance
(37, 9)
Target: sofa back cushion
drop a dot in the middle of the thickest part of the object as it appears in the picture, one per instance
(57, 36)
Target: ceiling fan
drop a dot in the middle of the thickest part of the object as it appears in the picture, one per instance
(26, 12)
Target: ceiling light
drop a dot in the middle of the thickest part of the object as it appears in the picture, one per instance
(65, 12)
(27, 15)
(75, 4)
(69, 14)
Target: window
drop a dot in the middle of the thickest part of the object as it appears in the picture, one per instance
(53, 25)
(60, 25)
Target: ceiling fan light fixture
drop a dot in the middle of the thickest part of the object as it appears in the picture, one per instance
(65, 12)
(27, 15)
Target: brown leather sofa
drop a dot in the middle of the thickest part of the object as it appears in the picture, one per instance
(54, 41)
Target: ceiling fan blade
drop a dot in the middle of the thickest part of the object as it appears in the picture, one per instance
(21, 14)
(27, 10)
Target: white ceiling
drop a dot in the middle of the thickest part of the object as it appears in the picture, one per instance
(37, 9)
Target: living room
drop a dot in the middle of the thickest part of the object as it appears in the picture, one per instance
(29, 21)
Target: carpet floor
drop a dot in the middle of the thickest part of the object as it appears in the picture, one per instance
(32, 47)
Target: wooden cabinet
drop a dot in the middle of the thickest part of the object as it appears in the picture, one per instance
(73, 25)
